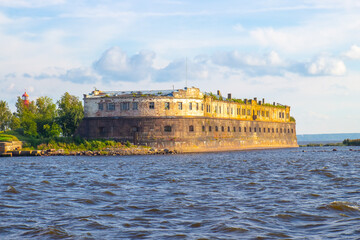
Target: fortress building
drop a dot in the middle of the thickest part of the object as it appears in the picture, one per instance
(187, 120)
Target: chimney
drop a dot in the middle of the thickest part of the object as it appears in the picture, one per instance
(255, 99)
(274, 103)
(259, 102)
(263, 101)
(218, 92)
(245, 101)
(229, 95)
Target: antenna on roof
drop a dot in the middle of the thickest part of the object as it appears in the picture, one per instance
(186, 72)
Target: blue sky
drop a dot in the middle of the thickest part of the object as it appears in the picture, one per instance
(305, 54)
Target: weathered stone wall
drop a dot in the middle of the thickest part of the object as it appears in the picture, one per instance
(10, 146)
(191, 134)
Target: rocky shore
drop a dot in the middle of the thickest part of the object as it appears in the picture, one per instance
(105, 152)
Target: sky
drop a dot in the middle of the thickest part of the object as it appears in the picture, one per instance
(304, 54)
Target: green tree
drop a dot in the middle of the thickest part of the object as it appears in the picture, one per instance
(71, 112)
(27, 117)
(46, 114)
(5, 116)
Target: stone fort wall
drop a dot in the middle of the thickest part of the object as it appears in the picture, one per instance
(191, 134)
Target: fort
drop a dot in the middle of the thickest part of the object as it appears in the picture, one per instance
(187, 120)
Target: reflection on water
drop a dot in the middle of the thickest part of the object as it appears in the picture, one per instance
(273, 194)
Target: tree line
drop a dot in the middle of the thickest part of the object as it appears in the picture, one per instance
(43, 118)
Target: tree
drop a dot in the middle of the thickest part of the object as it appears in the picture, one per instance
(26, 116)
(46, 114)
(71, 112)
(5, 116)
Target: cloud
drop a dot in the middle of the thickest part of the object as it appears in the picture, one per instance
(353, 53)
(115, 65)
(81, 75)
(326, 66)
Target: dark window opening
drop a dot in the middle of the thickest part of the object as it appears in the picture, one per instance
(222, 128)
(239, 129)
(268, 130)
(151, 105)
(101, 106)
(111, 106)
(180, 105)
(228, 129)
(191, 128)
(264, 130)
(292, 130)
(216, 128)
(244, 129)
(254, 129)
(249, 129)
(135, 106)
(209, 128)
(190, 106)
(167, 129)
(277, 130)
(234, 129)
(167, 106)
(272, 130)
(203, 128)
(125, 106)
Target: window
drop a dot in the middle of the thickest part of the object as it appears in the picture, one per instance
(268, 130)
(277, 130)
(202, 107)
(259, 129)
(208, 108)
(292, 130)
(264, 130)
(111, 106)
(279, 114)
(228, 129)
(262, 113)
(234, 129)
(288, 130)
(222, 128)
(167, 128)
(190, 106)
(209, 128)
(191, 128)
(243, 111)
(280, 130)
(220, 109)
(232, 111)
(254, 129)
(239, 129)
(197, 106)
(216, 128)
(125, 106)
(180, 105)
(167, 106)
(135, 105)
(203, 128)
(244, 129)
(273, 130)
(267, 114)
(258, 113)
(101, 106)
(248, 112)
(151, 105)
(216, 109)
(249, 129)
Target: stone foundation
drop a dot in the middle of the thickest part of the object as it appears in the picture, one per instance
(197, 134)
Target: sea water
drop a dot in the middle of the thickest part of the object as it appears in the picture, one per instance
(304, 193)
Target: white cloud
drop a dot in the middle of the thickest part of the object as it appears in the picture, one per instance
(115, 65)
(327, 66)
(353, 53)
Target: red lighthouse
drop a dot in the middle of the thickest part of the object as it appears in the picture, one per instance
(25, 98)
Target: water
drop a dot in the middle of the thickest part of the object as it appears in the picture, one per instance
(273, 194)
